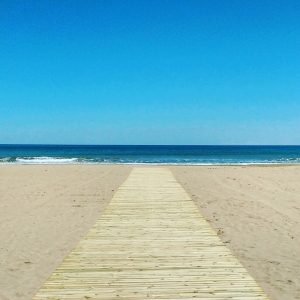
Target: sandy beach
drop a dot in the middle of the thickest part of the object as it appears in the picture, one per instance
(46, 209)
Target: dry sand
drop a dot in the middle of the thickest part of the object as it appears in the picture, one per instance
(256, 212)
(45, 210)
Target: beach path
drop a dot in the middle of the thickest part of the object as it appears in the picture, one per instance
(151, 242)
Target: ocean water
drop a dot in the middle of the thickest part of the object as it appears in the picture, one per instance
(191, 155)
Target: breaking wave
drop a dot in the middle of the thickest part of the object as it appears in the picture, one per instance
(153, 160)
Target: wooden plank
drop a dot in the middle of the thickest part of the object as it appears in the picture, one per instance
(151, 243)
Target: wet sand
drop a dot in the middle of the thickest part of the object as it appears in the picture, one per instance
(46, 209)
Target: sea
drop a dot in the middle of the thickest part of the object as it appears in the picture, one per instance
(152, 155)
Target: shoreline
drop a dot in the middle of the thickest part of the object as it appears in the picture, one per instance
(45, 209)
(155, 164)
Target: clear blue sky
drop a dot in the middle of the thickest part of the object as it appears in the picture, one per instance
(150, 72)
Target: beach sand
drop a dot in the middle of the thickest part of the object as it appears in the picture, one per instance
(256, 212)
(46, 209)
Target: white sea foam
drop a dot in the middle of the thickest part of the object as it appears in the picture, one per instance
(141, 161)
(46, 160)
(5, 159)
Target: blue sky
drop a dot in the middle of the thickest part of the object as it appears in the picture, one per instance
(150, 72)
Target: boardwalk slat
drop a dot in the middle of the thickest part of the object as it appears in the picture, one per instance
(151, 243)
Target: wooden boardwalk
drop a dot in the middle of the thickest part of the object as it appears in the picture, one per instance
(150, 243)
